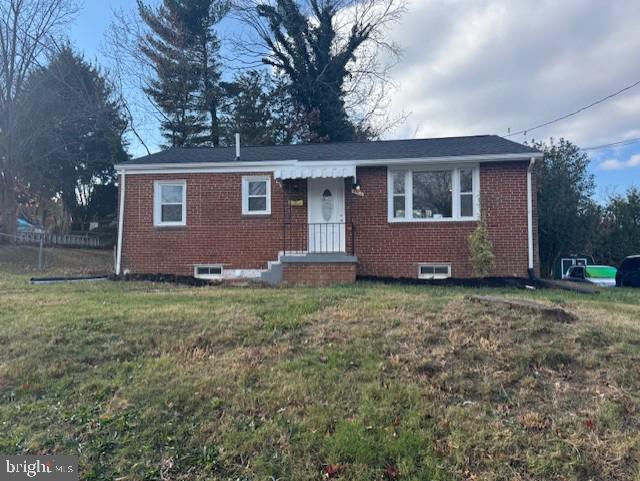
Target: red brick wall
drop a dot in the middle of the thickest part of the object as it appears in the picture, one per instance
(218, 233)
(396, 249)
(319, 274)
(536, 239)
(503, 201)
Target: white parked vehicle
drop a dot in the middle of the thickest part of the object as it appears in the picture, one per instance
(604, 276)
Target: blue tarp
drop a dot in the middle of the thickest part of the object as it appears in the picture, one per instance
(23, 225)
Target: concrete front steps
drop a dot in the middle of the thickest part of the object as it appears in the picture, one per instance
(311, 269)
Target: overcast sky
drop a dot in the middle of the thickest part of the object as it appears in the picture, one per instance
(475, 67)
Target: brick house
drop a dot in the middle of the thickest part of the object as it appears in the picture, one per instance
(322, 213)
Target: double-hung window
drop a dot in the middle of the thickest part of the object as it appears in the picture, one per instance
(399, 199)
(433, 194)
(170, 203)
(256, 195)
(466, 193)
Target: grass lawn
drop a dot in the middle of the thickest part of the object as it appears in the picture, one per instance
(56, 260)
(365, 382)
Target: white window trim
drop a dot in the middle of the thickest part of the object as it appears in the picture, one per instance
(157, 205)
(245, 194)
(434, 276)
(455, 180)
(208, 276)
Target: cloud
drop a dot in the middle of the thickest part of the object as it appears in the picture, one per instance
(617, 164)
(474, 67)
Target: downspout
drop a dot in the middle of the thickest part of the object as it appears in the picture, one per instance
(531, 270)
(120, 223)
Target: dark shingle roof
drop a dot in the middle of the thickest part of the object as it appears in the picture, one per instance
(378, 150)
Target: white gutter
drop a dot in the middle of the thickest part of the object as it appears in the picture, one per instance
(530, 214)
(448, 159)
(179, 166)
(272, 165)
(120, 223)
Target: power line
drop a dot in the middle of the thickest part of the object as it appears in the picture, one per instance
(620, 143)
(581, 109)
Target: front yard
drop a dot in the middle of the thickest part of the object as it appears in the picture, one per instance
(367, 382)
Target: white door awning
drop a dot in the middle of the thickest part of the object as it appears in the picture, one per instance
(329, 169)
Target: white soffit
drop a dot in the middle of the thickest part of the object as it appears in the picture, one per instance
(301, 171)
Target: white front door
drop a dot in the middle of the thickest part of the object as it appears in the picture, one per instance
(325, 200)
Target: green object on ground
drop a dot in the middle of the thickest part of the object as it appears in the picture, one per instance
(601, 272)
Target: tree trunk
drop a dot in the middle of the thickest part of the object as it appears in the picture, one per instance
(43, 221)
(9, 206)
(215, 125)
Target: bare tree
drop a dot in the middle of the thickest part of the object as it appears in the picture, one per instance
(336, 54)
(130, 71)
(29, 31)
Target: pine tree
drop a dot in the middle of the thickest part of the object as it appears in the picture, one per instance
(200, 18)
(288, 125)
(77, 132)
(261, 109)
(247, 110)
(182, 47)
(568, 214)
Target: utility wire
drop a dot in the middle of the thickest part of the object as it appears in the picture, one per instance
(620, 143)
(581, 109)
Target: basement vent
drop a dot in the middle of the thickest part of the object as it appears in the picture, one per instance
(434, 271)
(208, 271)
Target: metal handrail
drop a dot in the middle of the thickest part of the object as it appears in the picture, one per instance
(318, 238)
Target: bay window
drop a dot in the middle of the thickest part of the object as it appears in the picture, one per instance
(433, 194)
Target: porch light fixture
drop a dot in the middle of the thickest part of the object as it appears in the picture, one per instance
(357, 188)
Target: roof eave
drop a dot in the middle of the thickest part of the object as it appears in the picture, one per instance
(263, 164)
(454, 159)
(204, 165)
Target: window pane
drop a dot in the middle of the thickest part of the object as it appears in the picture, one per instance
(427, 269)
(466, 180)
(257, 204)
(398, 182)
(466, 205)
(398, 206)
(632, 264)
(170, 193)
(258, 187)
(441, 270)
(432, 196)
(171, 213)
